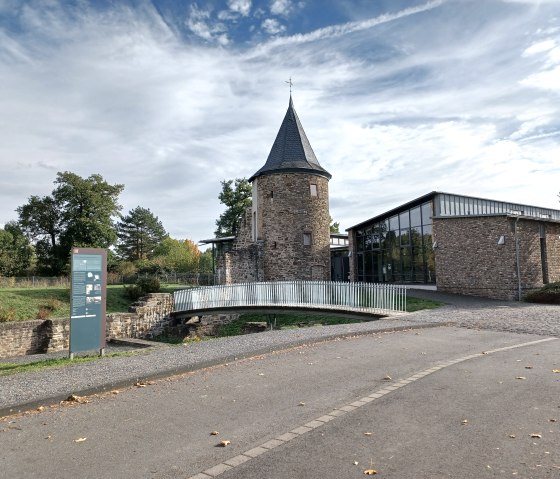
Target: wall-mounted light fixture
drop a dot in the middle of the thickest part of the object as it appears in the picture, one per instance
(434, 245)
(502, 240)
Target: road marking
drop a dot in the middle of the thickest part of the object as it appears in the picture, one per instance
(341, 411)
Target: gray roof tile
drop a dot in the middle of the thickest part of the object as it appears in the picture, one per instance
(291, 151)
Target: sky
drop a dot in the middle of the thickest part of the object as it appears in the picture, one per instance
(170, 97)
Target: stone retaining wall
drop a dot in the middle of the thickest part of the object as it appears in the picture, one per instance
(147, 318)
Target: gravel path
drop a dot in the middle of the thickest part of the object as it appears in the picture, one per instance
(28, 390)
(47, 386)
(480, 313)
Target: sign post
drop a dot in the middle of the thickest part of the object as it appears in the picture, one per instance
(89, 299)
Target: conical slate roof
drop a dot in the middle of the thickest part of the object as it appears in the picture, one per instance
(291, 151)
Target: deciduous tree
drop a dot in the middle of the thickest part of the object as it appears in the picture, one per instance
(236, 195)
(15, 251)
(181, 256)
(79, 212)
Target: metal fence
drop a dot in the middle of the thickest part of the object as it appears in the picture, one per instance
(198, 279)
(354, 297)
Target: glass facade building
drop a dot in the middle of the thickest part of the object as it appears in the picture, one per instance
(397, 247)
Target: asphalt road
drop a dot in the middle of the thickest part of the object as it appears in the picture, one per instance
(454, 421)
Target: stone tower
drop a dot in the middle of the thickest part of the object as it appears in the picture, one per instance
(290, 214)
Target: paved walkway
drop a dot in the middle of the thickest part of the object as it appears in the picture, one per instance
(482, 313)
(46, 386)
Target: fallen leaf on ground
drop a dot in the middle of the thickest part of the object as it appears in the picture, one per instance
(536, 435)
(556, 370)
(225, 443)
(214, 433)
(80, 439)
(115, 391)
(301, 404)
(528, 367)
(464, 421)
(356, 463)
(41, 408)
(78, 399)
(387, 378)
(140, 385)
(552, 420)
(368, 433)
(370, 472)
(512, 436)
(520, 377)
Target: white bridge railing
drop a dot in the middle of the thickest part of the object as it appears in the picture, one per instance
(353, 297)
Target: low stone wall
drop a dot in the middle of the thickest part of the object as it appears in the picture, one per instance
(147, 318)
(198, 326)
(32, 337)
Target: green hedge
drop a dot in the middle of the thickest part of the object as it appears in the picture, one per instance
(549, 294)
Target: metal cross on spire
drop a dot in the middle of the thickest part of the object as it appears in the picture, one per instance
(289, 82)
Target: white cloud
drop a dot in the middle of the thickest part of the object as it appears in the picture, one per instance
(547, 80)
(243, 7)
(394, 112)
(199, 22)
(346, 28)
(539, 47)
(281, 7)
(272, 26)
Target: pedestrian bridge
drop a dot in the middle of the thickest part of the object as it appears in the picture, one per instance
(362, 299)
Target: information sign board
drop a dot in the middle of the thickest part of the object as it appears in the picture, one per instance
(88, 301)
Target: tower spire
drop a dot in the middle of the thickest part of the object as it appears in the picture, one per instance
(289, 82)
(291, 151)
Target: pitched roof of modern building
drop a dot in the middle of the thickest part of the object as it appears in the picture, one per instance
(291, 151)
(451, 205)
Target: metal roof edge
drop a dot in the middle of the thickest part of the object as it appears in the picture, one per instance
(420, 199)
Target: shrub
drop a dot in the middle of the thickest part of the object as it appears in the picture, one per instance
(133, 292)
(142, 287)
(149, 285)
(549, 294)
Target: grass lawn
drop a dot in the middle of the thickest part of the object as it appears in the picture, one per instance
(297, 320)
(416, 304)
(7, 369)
(20, 304)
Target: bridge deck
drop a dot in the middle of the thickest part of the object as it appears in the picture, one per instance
(280, 309)
(363, 299)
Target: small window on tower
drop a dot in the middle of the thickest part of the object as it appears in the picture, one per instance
(306, 239)
(313, 189)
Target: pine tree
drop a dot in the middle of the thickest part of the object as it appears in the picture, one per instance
(139, 233)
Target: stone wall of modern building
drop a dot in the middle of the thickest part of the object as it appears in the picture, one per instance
(352, 249)
(470, 260)
(552, 238)
(286, 212)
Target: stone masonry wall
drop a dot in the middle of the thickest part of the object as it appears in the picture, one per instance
(148, 318)
(553, 251)
(352, 263)
(286, 210)
(246, 256)
(470, 261)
